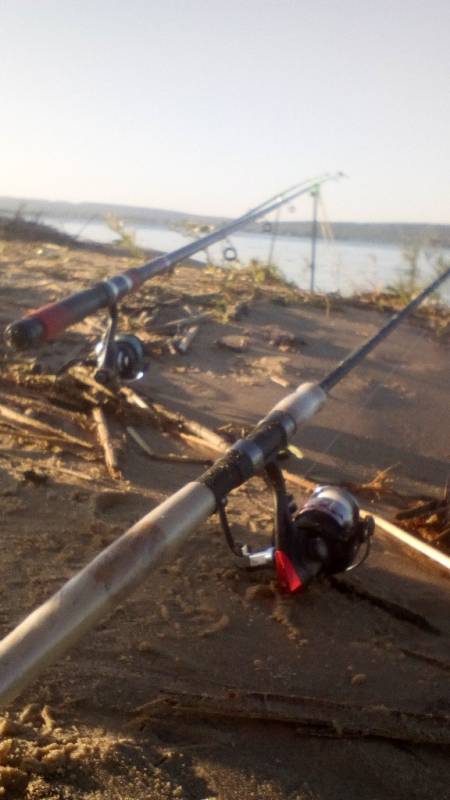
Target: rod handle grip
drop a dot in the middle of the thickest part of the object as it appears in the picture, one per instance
(39, 326)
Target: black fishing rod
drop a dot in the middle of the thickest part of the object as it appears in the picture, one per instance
(322, 538)
(48, 322)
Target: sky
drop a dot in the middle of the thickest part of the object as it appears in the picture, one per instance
(210, 106)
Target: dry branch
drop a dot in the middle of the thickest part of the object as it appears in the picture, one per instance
(175, 421)
(170, 457)
(183, 344)
(104, 438)
(311, 716)
(83, 376)
(422, 509)
(41, 428)
(136, 400)
(176, 324)
(200, 444)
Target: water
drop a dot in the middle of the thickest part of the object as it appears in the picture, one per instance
(341, 266)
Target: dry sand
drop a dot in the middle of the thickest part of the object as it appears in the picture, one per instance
(340, 693)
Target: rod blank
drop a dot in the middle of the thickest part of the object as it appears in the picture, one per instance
(50, 321)
(116, 571)
(103, 583)
(352, 360)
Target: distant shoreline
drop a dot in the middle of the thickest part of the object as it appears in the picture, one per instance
(399, 233)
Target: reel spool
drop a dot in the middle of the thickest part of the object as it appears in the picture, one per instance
(120, 358)
(322, 538)
(123, 360)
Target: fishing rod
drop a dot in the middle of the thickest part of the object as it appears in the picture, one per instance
(322, 538)
(120, 357)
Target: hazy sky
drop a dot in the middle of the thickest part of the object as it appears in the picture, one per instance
(210, 106)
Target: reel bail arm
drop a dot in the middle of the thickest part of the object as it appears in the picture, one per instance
(119, 358)
(324, 537)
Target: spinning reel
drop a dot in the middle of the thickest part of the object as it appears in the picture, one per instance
(119, 357)
(322, 538)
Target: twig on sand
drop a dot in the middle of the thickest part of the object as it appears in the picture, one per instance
(41, 428)
(176, 324)
(199, 436)
(84, 476)
(83, 376)
(423, 509)
(200, 444)
(184, 342)
(311, 716)
(136, 400)
(170, 457)
(205, 434)
(104, 438)
(176, 421)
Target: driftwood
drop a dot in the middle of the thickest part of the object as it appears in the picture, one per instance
(104, 438)
(437, 506)
(182, 423)
(170, 457)
(84, 377)
(311, 716)
(44, 406)
(207, 298)
(204, 433)
(176, 324)
(233, 342)
(278, 379)
(200, 444)
(84, 476)
(435, 662)
(183, 344)
(187, 429)
(41, 428)
(136, 400)
(197, 435)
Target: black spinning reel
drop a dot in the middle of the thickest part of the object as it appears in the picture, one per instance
(322, 538)
(119, 357)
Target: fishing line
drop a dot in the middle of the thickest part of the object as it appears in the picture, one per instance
(406, 349)
(361, 352)
(329, 241)
(322, 538)
(48, 322)
(273, 239)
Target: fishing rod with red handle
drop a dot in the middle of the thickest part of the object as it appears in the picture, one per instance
(48, 322)
(322, 538)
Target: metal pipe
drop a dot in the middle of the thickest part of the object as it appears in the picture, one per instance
(50, 321)
(116, 571)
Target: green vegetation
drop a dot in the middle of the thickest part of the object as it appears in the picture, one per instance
(126, 238)
(410, 280)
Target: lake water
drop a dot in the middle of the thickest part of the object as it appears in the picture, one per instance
(344, 267)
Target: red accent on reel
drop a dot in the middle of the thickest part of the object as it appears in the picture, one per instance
(286, 573)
